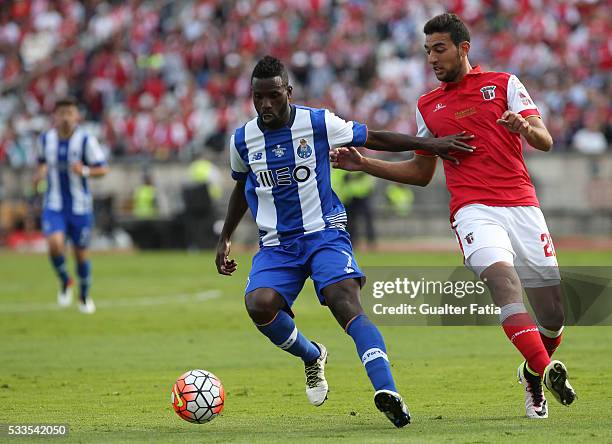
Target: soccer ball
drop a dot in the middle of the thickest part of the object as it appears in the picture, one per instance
(198, 396)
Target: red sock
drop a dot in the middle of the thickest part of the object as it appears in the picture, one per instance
(523, 333)
(551, 344)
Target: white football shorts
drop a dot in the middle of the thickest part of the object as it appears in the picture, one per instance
(517, 235)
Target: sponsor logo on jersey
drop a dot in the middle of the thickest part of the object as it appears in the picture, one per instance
(279, 151)
(304, 150)
(465, 112)
(488, 92)
(283, 176)
(438, 107)
(525, 100)
(256, 156)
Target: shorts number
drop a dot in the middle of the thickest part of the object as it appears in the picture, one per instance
(549, 248)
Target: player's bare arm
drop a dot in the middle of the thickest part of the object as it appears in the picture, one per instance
(86, 171)
(235, 211)
(531, 128)
(416, 171)
(41, 171)
(441, 146)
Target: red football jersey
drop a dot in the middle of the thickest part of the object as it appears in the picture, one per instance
(495, 173)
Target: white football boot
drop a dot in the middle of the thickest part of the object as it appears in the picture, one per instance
(64, 296)
(555, 380)
(536, 406)
(88, 307)
(316, 385)
(393, 406)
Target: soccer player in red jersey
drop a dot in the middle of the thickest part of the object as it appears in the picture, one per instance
(494, 209)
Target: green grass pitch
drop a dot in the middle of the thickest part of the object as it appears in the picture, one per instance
(109, 375)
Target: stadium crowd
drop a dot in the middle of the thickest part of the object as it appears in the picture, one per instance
(159, 78)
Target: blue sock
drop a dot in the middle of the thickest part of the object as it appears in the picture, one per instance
(84, 272)
(284, 334)
(372, 351)
(59, 264)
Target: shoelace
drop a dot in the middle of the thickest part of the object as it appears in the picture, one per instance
(312, 375)
(535, 388)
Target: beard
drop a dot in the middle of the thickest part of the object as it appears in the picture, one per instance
(452, 74)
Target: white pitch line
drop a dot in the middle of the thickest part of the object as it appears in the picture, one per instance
(140, 302)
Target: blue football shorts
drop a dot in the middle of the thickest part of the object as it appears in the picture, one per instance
(325, 256)
(76, 227)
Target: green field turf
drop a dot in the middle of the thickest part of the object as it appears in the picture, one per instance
(109, 375)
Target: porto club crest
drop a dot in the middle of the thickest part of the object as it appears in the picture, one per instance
(304, 150)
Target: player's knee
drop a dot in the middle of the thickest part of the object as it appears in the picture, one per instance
(553, 320)
(342, 298)
(80, 255)
(262, 306)
(504, 284)
(56, 245)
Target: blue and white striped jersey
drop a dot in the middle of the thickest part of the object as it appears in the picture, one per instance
(66, 190)
(287, 172)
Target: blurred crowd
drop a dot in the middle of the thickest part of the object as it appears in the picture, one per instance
(164, 79)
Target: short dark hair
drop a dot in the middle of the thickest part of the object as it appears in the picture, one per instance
(269, 67)
(66, 101)
(450, 23)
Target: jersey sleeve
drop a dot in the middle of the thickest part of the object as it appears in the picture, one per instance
(422, 131)
(239, 168)
(519, 100)
(40, 150)
(94, 156)
(343, 133)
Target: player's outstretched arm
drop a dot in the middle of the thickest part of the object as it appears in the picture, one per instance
(531, 128)
(440, 146)
(235, 211)
(417, 171)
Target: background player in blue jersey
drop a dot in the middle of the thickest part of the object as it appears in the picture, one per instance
(280, 161)
(68, 155)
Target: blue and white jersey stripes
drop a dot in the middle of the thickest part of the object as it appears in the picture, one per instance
(66, 190)
(287, 172)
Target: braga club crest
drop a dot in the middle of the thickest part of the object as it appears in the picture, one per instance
(488, 92)
(304, 150)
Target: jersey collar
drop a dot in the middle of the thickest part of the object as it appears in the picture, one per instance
(263, 128)
(474, 71)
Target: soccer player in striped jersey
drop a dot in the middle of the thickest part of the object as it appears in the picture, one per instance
(67, 157)
(280, 161)
(494, 208)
